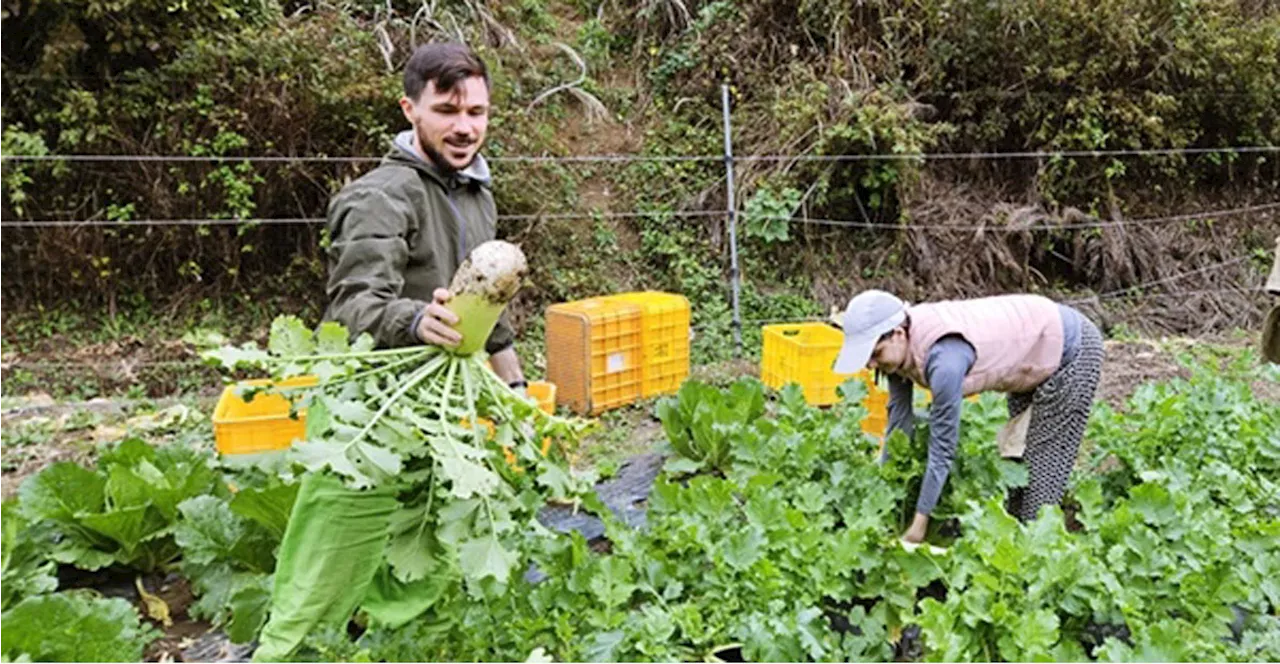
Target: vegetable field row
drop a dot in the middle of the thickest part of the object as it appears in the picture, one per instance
(771, 534)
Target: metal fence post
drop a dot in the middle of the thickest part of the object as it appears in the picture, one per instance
(734, 274)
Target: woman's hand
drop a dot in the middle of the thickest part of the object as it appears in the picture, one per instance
(919, 526)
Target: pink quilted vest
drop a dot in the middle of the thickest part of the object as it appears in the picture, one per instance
(1017, 340)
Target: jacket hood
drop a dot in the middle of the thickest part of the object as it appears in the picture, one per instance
(402, 152)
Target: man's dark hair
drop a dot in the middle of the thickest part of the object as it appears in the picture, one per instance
(445, 63)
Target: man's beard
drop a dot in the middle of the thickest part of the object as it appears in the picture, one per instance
(439, 159)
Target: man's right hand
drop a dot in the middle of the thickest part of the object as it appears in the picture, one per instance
(435, 326)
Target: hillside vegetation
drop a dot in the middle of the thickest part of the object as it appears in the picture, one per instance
(237, 78)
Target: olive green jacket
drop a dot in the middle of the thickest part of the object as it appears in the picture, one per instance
(398, 233)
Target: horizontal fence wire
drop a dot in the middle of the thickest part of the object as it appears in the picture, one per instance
(631, 158)
(1130, 290)
(1029, 154)
(323, 159)
(997, 228)
(849, 223)
(271, 221)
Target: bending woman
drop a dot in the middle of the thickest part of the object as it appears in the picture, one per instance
(1046, 356)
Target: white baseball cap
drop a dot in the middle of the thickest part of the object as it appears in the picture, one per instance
(869, 315)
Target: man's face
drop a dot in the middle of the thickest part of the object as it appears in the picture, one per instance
(450, 126)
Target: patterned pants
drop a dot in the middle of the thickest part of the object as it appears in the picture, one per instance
(1062, 404)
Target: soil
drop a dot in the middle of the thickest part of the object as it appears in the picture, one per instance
(160, 367)
(22, 462)
(1130, 364)
(64, 442)
(184, 631)
(185, 639)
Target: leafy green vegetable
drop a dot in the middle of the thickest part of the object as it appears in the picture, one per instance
(26, 569)
(269, 505)
(409, 420)
(792, 538)
(790, 551)
(229, 558)
(701, 421)
(74, 627)
(123, 512)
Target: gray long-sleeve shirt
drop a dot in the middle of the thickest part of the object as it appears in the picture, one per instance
(948, 363)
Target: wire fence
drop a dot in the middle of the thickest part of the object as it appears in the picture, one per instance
(731, 213)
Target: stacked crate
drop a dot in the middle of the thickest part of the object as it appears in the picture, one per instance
(804, 353)
(605, 352)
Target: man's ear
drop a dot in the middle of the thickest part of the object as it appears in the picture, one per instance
(406, 105)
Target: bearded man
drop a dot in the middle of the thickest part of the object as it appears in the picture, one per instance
(397, 236)
(400, 232)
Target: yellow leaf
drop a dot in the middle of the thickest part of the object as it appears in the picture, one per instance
(156, 608)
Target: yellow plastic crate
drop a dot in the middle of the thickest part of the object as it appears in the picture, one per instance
(545, 393)
(664, 336)
(803, 353)
(262, 424)
(594, 353)
(877, 405)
